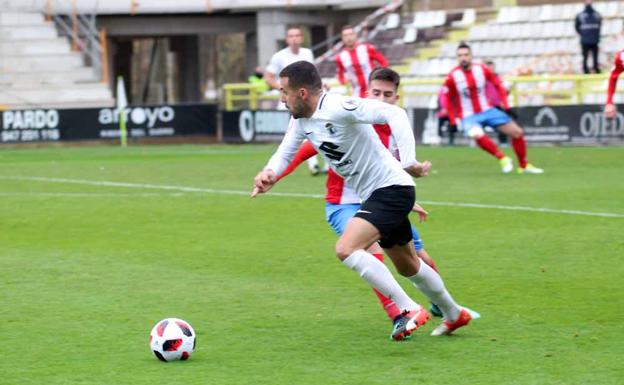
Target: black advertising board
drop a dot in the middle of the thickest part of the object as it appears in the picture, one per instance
(247, 126)
(583, 124)
(38, 125)
(571, 124)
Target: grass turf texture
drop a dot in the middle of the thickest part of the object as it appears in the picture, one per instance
(87, 270)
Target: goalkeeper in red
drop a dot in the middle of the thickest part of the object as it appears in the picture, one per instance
(470, 111)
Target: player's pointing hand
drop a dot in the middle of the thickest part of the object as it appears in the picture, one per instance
(263, 182)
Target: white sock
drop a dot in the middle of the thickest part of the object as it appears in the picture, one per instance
(312, 163)
(430, 283)
(378, 276)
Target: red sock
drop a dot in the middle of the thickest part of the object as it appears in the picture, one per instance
(431, 265)
(388, 305)
(487, 145)
(519, 146)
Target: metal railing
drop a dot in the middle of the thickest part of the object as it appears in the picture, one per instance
(552, 90)
(83, 31)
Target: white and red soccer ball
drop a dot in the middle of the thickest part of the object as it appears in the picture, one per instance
(172, 339)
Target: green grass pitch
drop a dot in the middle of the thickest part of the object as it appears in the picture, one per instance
(87, 267)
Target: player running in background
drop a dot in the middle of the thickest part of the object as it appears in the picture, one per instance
(292, 53)
(496, 100)
(618, 67)
(466, 101)
(339, 128)
(356, 61)
(341, 201)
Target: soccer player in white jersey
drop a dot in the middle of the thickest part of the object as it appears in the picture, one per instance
(467, 101)
(340, 129)
(292, 53)
(342, 203)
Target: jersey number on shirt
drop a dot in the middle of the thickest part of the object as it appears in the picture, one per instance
(330, 151)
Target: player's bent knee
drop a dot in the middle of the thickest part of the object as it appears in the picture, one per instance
(343, 251)
(512, 129)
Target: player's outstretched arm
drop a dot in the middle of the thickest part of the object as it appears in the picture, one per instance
(263, 182)
(610, 110)
(419, 170)
(305, 152)
(422, 213)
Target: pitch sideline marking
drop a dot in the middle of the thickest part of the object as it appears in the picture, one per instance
(298, 195)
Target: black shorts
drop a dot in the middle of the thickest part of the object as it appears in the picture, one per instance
(388, 209)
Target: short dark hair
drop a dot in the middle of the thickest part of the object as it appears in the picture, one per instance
(386, 75)
(293, 26)
(345, 27)
(302, 74)
(463, 44)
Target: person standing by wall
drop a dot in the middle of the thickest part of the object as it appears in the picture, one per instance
(587, 25)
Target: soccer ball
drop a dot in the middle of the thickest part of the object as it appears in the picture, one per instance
(172, 339)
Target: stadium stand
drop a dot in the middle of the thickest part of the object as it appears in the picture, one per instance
(520, 36)
(400, 37)
(39, 69)
(531, 40)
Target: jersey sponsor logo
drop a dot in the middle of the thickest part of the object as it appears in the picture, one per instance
(331, 151)
(350, 104)
(344, 163)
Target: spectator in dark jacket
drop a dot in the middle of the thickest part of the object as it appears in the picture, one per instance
(587, 25)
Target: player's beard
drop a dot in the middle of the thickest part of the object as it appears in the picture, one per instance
(297, 109)
(465, 64)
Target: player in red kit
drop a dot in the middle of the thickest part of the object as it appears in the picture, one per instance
(618, 68)
(470, 110)
(356, 62)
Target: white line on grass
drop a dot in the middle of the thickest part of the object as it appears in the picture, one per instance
(88, 194)
(298, 195)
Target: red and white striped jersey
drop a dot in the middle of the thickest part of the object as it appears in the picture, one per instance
(357, 64)
(618, 68)
(466, 91)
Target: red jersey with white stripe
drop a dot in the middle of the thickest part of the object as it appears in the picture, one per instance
(356, 64)
(618, 68)
(466, 91)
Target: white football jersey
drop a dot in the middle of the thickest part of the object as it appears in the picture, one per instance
(285, 57)
(340, 129)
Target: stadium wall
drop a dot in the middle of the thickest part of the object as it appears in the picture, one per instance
(57, 125)
(571, 125)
